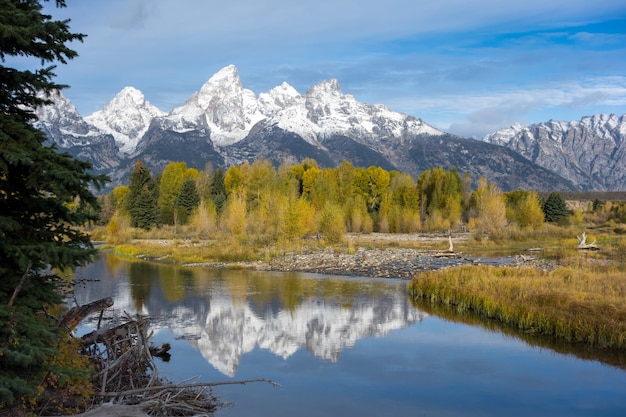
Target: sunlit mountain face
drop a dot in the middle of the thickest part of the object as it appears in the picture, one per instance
(226, 124)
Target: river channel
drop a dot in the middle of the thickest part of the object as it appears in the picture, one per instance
(344, 346)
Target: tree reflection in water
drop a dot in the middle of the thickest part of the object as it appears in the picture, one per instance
(364, 339)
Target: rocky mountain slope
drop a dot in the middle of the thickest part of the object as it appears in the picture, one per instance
(64, 126)
(591, 152)
(127, 118)
(226, 124)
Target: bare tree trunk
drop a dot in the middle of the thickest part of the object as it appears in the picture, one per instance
(74, 316)
(20, 285)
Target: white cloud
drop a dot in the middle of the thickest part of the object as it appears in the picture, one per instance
(475, 115)
(466, 66)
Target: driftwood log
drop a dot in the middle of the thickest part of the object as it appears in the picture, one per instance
(583, 245)
(448, 253)
(75, 315)
(115, 410)
(126, 380)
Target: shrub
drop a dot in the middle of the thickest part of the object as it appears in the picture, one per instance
(331, 224)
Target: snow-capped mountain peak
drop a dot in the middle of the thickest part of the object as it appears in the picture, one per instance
(324, 88)
(328, 111)
(229, 111)
(64, 126)
(582, 151)
(225, 124)
(224, 85)
(62, 122)
(60, 113)
(127, 117)
(504, 136)
(278, 98)
(222, 106)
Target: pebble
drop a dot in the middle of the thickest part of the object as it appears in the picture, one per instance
(382, 263)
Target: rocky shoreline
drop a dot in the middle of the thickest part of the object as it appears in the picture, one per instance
(401, 263)
(375, 263)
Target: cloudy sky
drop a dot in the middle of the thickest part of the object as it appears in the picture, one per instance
(466, 67)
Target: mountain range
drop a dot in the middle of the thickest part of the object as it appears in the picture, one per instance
(591, 152)
(225, 124)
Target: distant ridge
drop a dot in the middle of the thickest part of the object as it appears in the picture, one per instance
(225, 124)
(591, 152)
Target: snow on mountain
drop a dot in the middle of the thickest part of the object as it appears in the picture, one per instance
(503, 136)
(590, 152)
(62, 121)
(605, 126)
(229, 111)
(126, 117)
(278, 98)
(325, 111)
(226, 124)
(222, 105)
(64, 126)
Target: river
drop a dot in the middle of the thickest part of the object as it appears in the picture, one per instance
(342, 346)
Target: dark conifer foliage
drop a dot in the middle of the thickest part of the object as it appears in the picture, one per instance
(26, 31)
(554, 208)
(44, 196)
(187, 200)
(218, 191)
(142, 200)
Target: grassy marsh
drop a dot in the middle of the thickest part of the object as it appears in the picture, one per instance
(584, 301)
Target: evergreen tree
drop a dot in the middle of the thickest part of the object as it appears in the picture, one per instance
(554, 208)
(38, 231)
(218, 190)
(187, 200)
(142, 199)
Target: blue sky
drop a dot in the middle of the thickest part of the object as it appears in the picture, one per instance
(466, 67)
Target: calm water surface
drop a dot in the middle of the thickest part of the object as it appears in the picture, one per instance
(342, 347)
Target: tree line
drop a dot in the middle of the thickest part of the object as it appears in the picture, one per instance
(270, 204)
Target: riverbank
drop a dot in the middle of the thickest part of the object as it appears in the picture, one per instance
(558, 291)
(375, 255)
(399, 263)
(583, 303)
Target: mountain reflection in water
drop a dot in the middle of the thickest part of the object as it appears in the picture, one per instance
(227, 313)
(313, 336)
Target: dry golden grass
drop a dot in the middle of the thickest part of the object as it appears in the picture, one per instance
(185, 252)
(585, 302)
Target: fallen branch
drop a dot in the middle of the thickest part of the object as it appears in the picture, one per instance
(75, 315)
(185, 386)
(126, 376)
(20, 285)
(582, 243)
(115, 410)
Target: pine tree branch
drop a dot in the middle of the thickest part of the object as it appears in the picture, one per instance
(20, 285)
